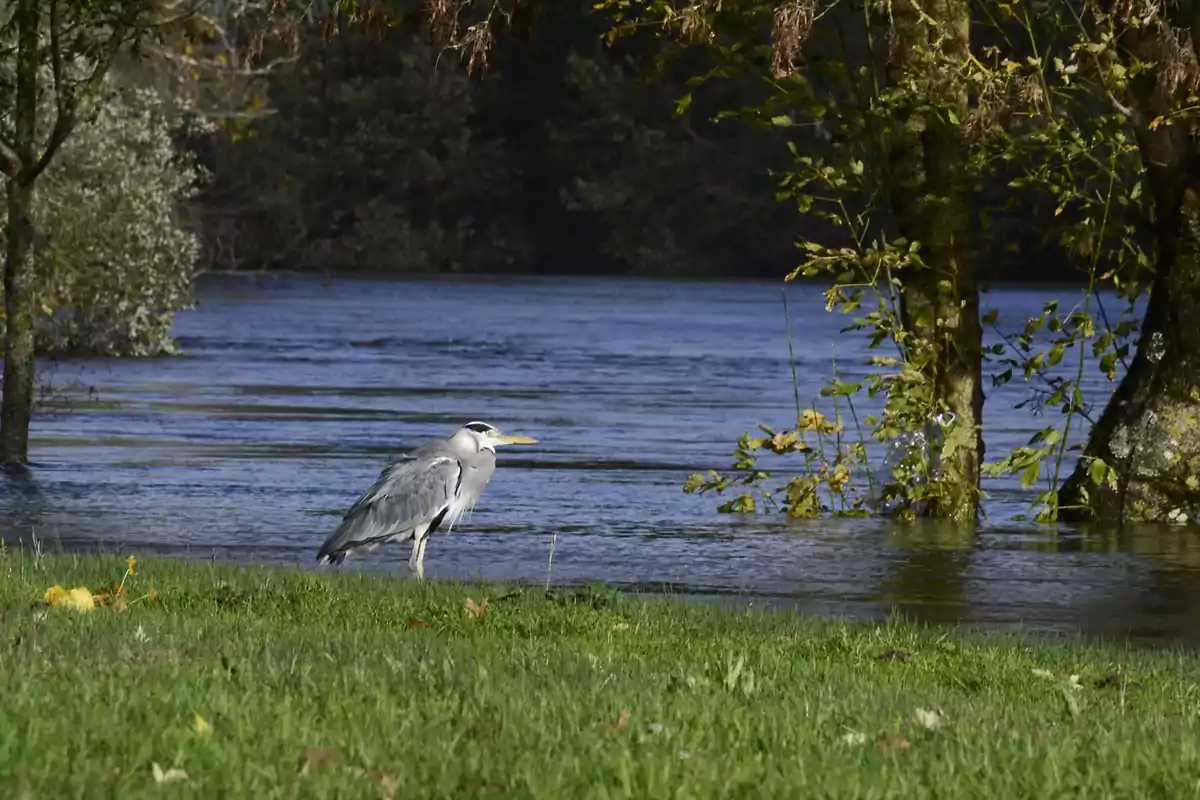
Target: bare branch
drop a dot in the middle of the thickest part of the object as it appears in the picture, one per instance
(62, 92)
(475, 41)
(1128, 112)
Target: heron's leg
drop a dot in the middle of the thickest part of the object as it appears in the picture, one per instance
(412, 559)
(420, 554)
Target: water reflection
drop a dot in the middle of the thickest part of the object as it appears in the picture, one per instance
(929, 581)
(294, 392)
(24, 501)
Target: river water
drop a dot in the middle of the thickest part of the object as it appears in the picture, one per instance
(292, 393)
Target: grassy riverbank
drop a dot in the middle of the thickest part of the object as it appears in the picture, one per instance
(261, 683)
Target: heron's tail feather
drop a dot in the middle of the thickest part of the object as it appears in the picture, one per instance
(331, 558)
(334, 550)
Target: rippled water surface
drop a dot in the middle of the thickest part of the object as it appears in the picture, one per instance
(293, 392)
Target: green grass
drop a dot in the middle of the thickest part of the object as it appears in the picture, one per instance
(526, 701)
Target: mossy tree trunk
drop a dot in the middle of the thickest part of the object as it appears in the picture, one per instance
(929, 189)
(16, 407)
(1149, 433)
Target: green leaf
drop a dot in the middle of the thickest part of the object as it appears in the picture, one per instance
(1108, 365)
(1030, 475)
(782, 121)
(838, 388)
(682, 104)
(1097, 471)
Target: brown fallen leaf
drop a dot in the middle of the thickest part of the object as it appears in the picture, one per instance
(387, 785)
(622, 721)
(416, 623)
(316, 756)
(894, 744)
(476, 610)
(895, 655)
(114, 775)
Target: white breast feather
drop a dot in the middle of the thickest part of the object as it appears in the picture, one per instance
(459, 507)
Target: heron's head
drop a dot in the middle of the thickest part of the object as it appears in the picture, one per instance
(487, 437)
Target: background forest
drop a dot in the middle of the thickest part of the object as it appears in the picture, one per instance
(376, 151)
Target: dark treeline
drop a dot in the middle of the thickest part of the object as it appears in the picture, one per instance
(375, 151)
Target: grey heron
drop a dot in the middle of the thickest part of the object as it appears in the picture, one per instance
(411, 499)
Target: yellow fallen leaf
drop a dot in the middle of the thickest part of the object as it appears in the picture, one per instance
(200, 725)
(78, 599)
(55, 595)
(81, 599)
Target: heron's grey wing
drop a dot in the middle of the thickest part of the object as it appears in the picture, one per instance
(407, 495)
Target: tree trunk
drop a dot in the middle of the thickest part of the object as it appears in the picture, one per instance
(1149, 433)
(929, 192)
(17, 404)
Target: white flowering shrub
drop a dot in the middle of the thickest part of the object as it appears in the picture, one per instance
(113, 261)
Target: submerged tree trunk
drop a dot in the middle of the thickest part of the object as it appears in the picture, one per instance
(1149, 433)
(16, 407)
(929, 190)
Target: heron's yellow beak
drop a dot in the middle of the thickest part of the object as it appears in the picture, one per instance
(508, 438)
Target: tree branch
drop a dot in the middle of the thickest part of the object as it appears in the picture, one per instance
(9, 163)
(67, 99)
(61, 90)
